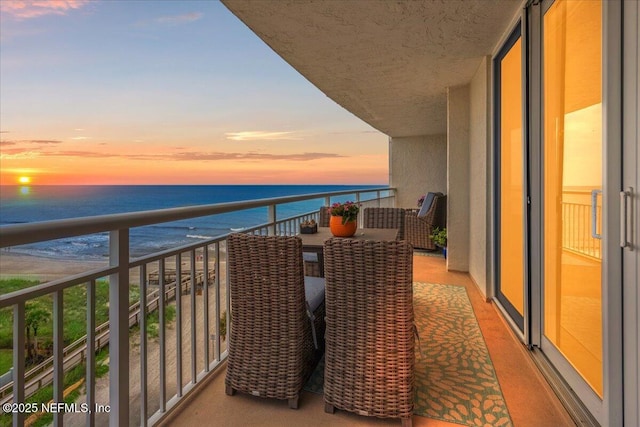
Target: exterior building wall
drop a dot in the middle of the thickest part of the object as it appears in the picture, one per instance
(458, 119)
(479, 154)
(417, 164)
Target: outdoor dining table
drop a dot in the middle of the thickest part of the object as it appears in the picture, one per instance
(313, 243)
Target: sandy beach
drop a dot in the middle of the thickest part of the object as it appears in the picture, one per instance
(43, 269)
(13, 265)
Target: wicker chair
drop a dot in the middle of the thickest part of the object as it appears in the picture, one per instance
(311, 264)
(418, 230)
(369, 357)
(271, 349)
(385, 218)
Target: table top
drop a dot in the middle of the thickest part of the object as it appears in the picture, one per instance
(317, 239)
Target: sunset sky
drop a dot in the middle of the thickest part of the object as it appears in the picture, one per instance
(164, 92)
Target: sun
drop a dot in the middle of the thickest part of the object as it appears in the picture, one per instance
(24, 180)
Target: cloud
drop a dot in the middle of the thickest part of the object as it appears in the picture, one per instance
(35, 8)
(30, 141)
(80, 138)
(357, 132)
(301, 157)
(18, 153)
(180, 156)
(261, 136)
(179, 19)
(23, 149)
(44, 141)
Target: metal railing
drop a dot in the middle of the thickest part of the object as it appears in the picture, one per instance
(75, 353)
(580, 224)
(205, 307)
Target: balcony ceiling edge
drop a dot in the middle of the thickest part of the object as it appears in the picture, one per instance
(388, 63)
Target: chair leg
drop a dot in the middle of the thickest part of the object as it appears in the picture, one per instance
(293, 402)
(407, 422)
(229, 390)
(329, 408)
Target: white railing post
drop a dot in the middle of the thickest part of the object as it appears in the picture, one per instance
(58, 356)
(144, 406)
(271, 219)
(18, 360)
(119, 328)
(327, 201)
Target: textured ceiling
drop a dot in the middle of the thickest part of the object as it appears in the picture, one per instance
(387, 62)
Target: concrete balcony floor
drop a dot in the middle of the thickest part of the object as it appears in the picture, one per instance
(529, 398)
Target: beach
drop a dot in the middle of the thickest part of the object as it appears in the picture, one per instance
(43, 269)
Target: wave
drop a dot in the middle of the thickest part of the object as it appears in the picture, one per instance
(198, 236)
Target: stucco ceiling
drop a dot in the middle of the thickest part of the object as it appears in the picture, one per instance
(387, 62)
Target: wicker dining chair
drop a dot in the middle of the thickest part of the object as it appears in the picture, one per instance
(385, 218)
(369, 356)
(271, 348)
(311, 264)
(418, 230)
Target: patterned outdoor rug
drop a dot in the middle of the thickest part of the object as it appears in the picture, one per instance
(455, 379)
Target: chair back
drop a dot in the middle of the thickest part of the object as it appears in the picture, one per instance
(270, 331)
(437, 213)
(369, 357)
(323, 216)
(385, 218)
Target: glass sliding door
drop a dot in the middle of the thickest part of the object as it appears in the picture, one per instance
(572, 188)
(510, 180)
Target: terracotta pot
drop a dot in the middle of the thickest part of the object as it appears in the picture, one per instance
(342, 230)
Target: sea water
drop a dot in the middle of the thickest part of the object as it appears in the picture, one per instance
(25, 204)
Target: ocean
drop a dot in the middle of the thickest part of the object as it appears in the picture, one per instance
(24, 204)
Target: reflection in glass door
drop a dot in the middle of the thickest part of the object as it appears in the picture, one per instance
(510, 190)
(572, 162)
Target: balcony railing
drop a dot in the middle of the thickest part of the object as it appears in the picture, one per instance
(581, 227)
(185, 353)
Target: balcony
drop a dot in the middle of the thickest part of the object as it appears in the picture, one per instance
(529, 399)
(144, 370)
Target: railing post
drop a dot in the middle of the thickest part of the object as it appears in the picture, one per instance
(90, 380)
(18, 360)
(327, 201)
(58, 355)
(119, 328)
(271, 220)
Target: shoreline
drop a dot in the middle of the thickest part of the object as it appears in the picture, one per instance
(46, 269)
(33, 267)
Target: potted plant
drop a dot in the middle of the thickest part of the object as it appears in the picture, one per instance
(344, 218)
(309, 227)
(439, 237)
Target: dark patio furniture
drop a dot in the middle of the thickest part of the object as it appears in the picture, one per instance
(418, 230)
(369, 358)
(271, 349)
(311, 264)
(385, 218)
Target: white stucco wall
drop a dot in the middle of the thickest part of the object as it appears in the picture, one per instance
(479, 154)
(417, 164)
(458, 119)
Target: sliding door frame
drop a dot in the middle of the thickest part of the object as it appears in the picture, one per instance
(520, 321)
(607, 411)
